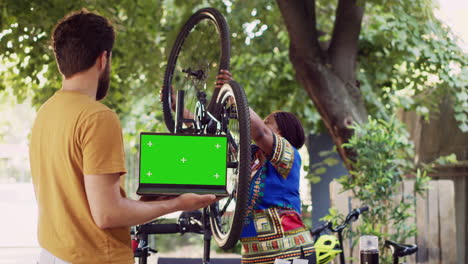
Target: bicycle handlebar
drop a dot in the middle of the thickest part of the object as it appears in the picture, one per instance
(351, 217)
(354, 214)
(363, 209)
(318, 230)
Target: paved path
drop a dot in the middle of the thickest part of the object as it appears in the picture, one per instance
(18, 223)
(19, 255)
(18, 234)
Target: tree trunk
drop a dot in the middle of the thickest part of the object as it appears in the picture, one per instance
(328, 76)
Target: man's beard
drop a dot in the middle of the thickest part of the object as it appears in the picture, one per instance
(103, 84)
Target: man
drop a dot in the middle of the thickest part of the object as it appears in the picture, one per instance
(77, 156)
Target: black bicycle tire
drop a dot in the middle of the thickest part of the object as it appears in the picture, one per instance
(244, 168)
(223, 30)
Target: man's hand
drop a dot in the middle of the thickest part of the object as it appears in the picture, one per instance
(109, 209)
(223, 77)
(151, 198)
(191, 201)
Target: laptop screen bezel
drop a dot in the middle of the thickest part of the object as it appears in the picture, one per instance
(179, 186)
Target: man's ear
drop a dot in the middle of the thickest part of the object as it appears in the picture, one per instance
(102, 61)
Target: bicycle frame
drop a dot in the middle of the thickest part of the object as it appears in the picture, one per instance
(204, 120)
(146, 229)
(179, 118)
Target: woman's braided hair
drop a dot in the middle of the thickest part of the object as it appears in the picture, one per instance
(290, 128)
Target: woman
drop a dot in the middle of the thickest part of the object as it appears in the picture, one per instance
(273, 226)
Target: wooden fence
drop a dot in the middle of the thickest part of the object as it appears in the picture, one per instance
(434, 216)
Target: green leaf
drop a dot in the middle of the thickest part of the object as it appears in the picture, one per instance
(331, 161)
(461, 117)
(320, 170)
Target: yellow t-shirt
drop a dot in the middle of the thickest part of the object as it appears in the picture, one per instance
(74, 135)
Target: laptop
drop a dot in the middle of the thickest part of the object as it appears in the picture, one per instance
(173, 164)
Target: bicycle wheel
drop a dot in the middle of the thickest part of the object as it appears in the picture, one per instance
(227, 215)
(200, 51)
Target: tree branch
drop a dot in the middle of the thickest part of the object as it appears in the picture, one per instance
(299, 17)
(344, 43)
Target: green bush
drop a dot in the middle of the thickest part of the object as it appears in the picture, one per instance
(385, 157)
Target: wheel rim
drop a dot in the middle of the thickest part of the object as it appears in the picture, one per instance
(229, 211)
(197, 63)
(225, 208)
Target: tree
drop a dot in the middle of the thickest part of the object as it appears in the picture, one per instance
(338, 62)
(28, 66)
(330, 71)
(329, 76)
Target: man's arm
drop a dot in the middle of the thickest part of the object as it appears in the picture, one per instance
(109, 209)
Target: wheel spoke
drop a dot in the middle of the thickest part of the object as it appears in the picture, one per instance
(228, 202)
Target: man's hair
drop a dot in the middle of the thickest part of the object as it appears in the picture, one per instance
(78, 40)
(290, 128)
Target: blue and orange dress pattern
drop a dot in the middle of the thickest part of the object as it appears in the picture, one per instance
(273, 227)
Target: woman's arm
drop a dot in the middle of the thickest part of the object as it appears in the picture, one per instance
(261, 133)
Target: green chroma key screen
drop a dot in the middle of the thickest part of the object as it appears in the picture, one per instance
(182, 159)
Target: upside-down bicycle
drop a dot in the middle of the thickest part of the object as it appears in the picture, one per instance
(200, 51)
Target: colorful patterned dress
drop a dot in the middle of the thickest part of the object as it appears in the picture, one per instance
(273, 227)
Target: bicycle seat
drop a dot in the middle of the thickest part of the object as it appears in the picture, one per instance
(401, 250)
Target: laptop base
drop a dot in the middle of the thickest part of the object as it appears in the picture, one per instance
(177, 192)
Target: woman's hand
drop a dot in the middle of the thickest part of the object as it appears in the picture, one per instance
(223, 77)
